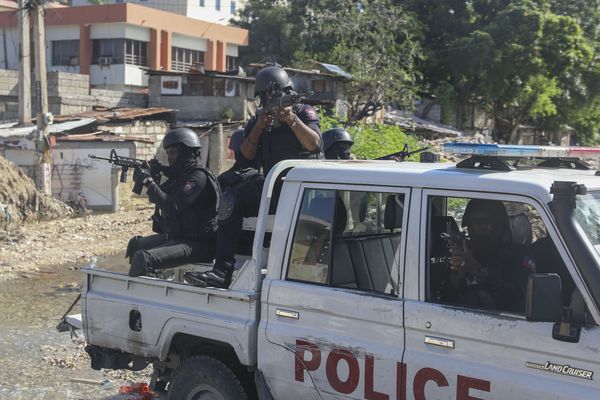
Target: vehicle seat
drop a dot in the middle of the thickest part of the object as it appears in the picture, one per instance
(520, 229)
(370, 262)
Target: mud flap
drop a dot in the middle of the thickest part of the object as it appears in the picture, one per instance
(102, 357)
(262, 388)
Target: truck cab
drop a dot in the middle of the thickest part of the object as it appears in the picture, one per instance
(354, 295)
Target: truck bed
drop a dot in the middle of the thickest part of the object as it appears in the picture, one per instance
(142, 315)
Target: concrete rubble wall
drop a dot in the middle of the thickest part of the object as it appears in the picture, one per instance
(68, 93)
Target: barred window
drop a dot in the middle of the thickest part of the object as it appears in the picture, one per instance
(183, 59)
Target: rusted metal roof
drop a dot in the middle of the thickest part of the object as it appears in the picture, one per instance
(116, 114)
(102, 137)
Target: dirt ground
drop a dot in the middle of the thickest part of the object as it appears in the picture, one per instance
(31, 247)
(39, 279)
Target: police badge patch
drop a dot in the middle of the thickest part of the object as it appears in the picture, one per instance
(188, 187)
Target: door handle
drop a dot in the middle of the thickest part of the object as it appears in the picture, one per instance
(287, 313)
(436, 341)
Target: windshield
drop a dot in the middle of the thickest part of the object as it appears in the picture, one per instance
(587, 215)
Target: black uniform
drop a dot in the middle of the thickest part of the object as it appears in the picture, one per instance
(500, 284)
(184, 221)
(243, 199)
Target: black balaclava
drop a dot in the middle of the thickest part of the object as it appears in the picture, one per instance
(187, 159)
(338, 152)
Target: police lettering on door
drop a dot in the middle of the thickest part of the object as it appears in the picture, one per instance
(309, 358)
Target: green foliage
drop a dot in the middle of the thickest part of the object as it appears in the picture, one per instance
(274, 33)
(528, 61)
(371, 39)
(372, 141)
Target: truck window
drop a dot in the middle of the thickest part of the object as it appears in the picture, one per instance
(348, 239)
(480, 253)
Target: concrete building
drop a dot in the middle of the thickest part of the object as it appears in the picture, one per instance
(218, 11)
(116, 43)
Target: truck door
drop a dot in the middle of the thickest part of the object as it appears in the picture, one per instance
(332, 322)
(466, 334)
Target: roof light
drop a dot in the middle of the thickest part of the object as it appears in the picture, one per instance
(510, 150)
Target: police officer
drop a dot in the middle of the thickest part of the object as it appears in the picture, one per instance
(186, 207)
(488, 271)
(337, 143)
(242, 169)
(270, 136)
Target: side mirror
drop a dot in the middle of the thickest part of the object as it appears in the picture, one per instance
(544, 298)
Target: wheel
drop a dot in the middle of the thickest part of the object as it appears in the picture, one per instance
(205, 378)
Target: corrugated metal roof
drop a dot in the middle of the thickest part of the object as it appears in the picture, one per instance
(117, 114)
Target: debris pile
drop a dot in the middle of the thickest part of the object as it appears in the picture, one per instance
(21, 201)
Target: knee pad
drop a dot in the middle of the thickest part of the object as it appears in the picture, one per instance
(226, 207)
(139, 263)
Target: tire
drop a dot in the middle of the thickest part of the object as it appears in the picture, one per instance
(205, 378)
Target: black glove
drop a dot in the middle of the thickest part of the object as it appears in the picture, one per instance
(156, 169)
(142, 176)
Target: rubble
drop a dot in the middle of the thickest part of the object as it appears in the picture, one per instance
(21, 201)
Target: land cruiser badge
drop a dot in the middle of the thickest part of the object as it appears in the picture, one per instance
(562, 369)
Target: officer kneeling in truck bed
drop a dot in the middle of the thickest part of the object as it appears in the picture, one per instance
(185, 218)
(272, 136)
(487, 271)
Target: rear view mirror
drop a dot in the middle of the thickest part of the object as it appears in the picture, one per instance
(544, 298)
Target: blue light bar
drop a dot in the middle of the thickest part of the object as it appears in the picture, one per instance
(511, 150)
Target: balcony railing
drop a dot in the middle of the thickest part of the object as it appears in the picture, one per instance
(133, 59)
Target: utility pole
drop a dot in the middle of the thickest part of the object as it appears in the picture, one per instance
(25, 70)
(44, 175)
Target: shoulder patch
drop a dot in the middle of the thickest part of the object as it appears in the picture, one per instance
(310, 112)
(188, 187)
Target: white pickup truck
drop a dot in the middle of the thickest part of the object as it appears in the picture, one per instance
(348, 296)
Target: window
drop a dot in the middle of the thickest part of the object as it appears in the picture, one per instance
(65, 52)
(136, 52)
(218, 5)
(119, 51)
(232, 7)
(348, 239)
(108, 51)
(481, 253)
(184, 59)
(231, 63)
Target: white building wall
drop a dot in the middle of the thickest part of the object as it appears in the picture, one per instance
(188, 42)
(9, 48)
(189, 8)
(135, 76)
(107, 76)
(119, 30)
(232, 50)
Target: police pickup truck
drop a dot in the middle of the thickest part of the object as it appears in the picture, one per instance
(354, 289)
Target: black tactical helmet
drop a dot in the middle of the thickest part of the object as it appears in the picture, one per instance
(235, 142)
(486, 212)
(335, 135)
(184, 136)
(270, 78)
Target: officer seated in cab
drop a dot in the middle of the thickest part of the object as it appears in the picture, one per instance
(487, 270)
(186, 207)
(337, 143)
(270, 136)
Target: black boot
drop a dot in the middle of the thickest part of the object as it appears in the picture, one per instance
(219, 276)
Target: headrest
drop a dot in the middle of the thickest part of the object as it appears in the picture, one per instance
(520, 229)
(341, 217)
(392, 219)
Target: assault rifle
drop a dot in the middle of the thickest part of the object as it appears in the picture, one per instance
(127, 162)
(402, 154)
(278, 98)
